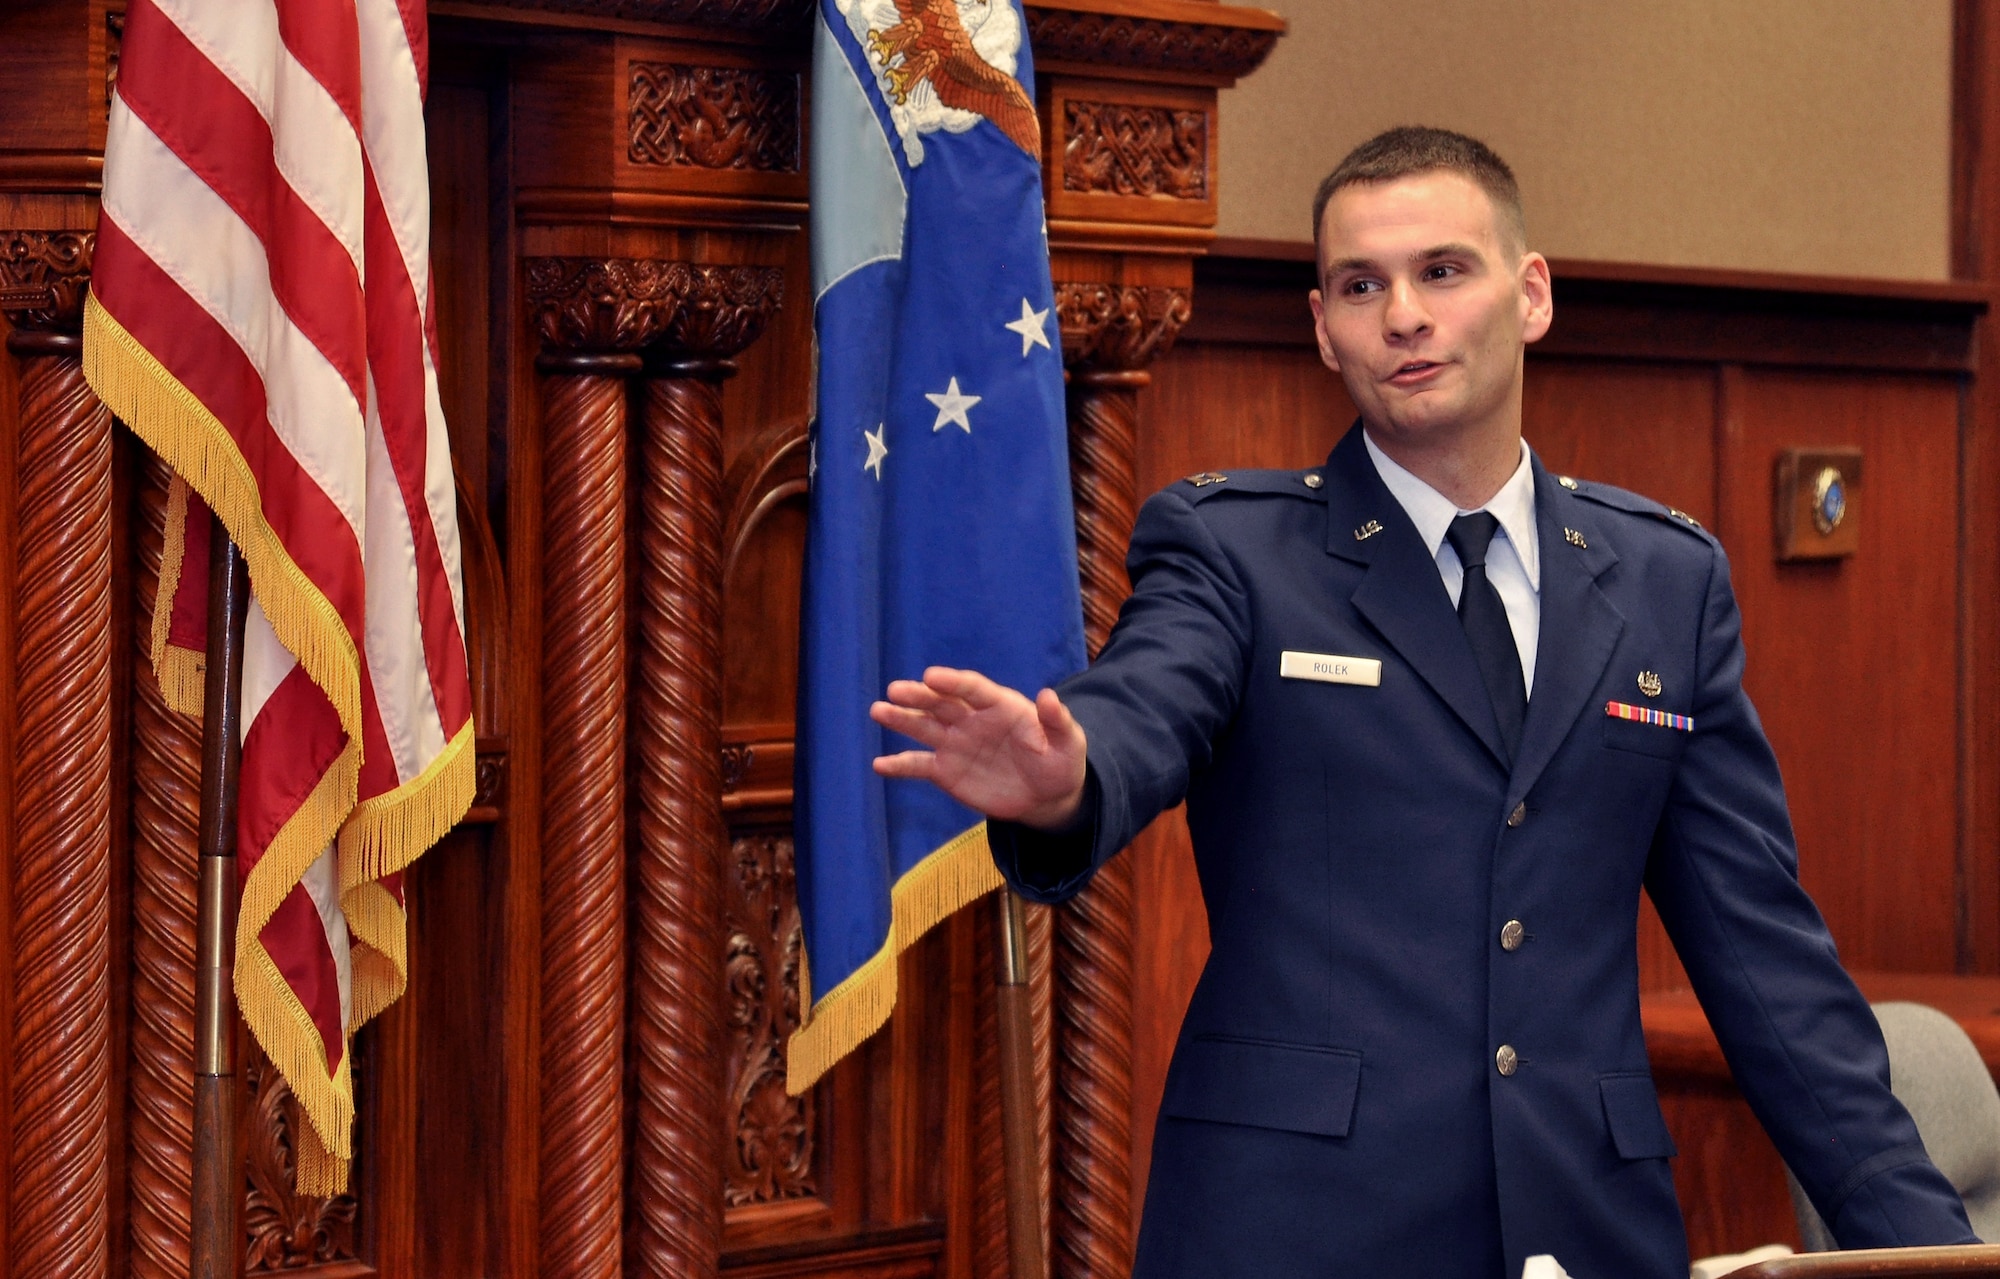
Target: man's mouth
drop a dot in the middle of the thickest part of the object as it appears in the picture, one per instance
(1413, 372)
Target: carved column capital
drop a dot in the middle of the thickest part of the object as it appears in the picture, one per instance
(594, 314)
(597, 314)
(1119, 327)
(721, 311)
(43, 277)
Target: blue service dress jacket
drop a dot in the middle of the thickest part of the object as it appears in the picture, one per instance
(1415, 1048)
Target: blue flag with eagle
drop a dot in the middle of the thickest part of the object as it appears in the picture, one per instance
(940, 529)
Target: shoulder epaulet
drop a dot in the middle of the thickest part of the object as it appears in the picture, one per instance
(1204, 485)
(1634, 504)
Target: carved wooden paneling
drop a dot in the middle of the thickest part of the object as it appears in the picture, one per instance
(1109, 333)
(1219, 50)
(1120, 148)
(283, 1229)
(678, 950)
(166, 799)
(777, 17)
(713, 117)
(592, 314)
(771, 1157)
(61, 876)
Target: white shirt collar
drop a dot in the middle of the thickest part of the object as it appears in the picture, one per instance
(1432, 512)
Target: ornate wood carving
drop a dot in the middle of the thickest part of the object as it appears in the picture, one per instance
(43, 277)
(778, 17)
(714, 117)
(1109, 333)
(114, 48)
(166, 780)
(61, 877)
(283, 1229)
(1110, 326)
(771, 1158)
(1119, 148)
(1110, 40)
(679, 948)
(594, 313)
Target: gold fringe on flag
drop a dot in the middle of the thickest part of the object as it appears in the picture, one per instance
(382, 836)
(179, 671)
(376, 838)
(959, 872)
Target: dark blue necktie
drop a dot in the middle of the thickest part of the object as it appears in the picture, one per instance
(1485, 619)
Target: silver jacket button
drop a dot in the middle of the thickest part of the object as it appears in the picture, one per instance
(1506, 1061)
(1512, 935)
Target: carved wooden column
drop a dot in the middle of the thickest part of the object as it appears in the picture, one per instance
(593, 316)
(61, 875)
(1110, 333)
(677, 976)
(166, 803)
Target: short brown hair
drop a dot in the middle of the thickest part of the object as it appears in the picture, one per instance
(1410, 150)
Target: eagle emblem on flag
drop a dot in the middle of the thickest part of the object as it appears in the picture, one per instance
(946, 64)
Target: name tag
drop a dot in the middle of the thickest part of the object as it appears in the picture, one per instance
(1330, 668)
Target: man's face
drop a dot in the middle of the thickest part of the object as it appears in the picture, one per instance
(1424, 306)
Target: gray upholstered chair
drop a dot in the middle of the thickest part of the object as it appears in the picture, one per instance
(1936, 1072)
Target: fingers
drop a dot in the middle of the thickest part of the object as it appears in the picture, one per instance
(970, 687)
(1055, 717)
(917, 765)
(921, 725)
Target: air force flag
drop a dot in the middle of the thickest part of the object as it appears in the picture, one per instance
(940, 528)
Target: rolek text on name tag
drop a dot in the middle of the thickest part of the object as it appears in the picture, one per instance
(1330, 668)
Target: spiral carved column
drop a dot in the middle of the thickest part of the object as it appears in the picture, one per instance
(166, 803)
(678, 953)
(1110, 333)
(61, 921)
(592, 315)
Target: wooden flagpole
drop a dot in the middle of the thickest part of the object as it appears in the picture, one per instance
(1017, 1096)
(217, 1235)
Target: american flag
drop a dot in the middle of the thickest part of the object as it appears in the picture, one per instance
(262, 315)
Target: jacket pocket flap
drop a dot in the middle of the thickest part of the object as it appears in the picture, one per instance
(1290, 1087)
(1632, 1109)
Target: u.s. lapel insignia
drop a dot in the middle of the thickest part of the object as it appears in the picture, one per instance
(1575, 538)
(1649, 683)
(1368, 530)
(1205, 479)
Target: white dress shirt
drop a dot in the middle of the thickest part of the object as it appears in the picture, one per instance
(1513, 561)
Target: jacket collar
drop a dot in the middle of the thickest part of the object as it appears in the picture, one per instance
(1403, 597)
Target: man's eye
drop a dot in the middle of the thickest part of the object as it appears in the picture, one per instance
(1439, 271)
(1362, 286)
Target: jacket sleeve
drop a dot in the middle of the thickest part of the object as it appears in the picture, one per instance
(1799, 1037)
(1167, 682)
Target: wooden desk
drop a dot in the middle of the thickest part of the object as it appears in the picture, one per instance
(1730, 1179)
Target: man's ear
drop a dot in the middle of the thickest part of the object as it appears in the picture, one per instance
(1326, 355)
(1538, 303)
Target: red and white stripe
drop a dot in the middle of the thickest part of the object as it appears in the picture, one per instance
(265, 242)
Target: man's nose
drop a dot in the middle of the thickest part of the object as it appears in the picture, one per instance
(1405, 316)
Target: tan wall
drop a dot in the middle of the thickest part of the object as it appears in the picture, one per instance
(1780, 135)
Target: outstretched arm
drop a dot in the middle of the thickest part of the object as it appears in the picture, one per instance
(991, 748)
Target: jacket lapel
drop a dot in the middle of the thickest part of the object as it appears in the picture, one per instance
(1579, 628)
(1402, 596)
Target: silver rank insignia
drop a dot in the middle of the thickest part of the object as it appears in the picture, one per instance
(1205, 479)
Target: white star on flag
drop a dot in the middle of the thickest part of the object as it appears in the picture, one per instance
(951, 407)
(1033, 328)
(877, 450)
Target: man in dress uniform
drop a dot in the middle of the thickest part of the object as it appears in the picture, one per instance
(1438, 715)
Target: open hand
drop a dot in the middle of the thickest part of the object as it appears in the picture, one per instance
(990, 748)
